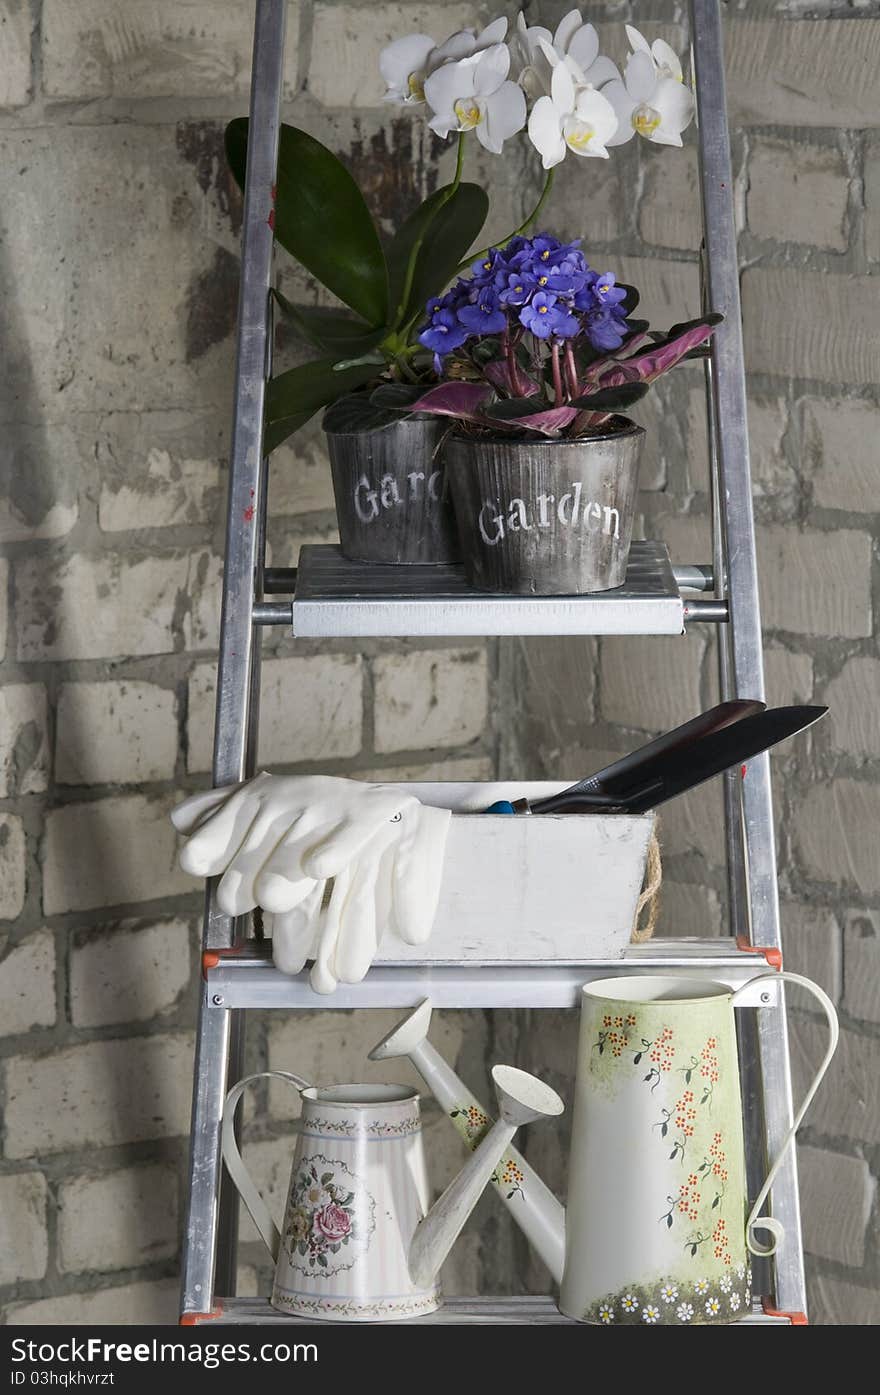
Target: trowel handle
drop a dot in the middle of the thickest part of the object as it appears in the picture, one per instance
(244, 1184)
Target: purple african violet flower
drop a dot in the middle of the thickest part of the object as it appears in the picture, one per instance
(485, 267)
(606, 291)
(516, 289)
(543, 314)
(605, 329)
(444, 333)
(485, 315)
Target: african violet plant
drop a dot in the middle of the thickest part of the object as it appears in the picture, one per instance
(534, 339)
(569, 99)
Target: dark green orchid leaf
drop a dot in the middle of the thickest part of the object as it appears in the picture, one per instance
(397, 397)
(357, 413)
(608, 399)
(321, 218)
(446, 226)
(334, 331)
(293, 397)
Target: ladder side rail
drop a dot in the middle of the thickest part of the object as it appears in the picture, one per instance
(210, 1236)
(745, 656)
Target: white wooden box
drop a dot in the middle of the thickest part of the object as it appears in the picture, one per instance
(526, 889)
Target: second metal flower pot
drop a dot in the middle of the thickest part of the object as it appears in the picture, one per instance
(545, 517)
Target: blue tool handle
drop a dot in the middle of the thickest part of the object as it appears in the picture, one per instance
(501, 806)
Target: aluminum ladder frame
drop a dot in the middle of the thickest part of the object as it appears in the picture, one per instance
(210, 1240)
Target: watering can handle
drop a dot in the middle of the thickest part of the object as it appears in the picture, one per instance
(244, 1183)
(768, 1223)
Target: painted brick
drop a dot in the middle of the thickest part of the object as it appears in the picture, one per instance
(650, 685)
(109, 853)
(837, 1194)
(462, 768)
(169, 488)
(847, 1106)
(139, 1304)
(311, 710)
(811, 324)
(872, 201)
(15, 45)
(137, 724)
(101, 48)
(27, 984)
(24, 1245)
(4, 605)
(430, 698)
(670, 291)
(116, 1220)
(695, 823)
(835, 1302)
(813, 945)
(798, 193)
(12, 866)
(299, 475)
(156, 324)
(788, 677)
(688, 909)
(835, 829)
(41, 473)
(669, 215)
(861, 964)
(17, 527)
(94, 608)
(815, 583)
(347, 41)
(201, 623)
(24, 747)
(852, 697)
(100, 1094)
(129, 973)
(840, 451)
(773, 476)
(808, 73)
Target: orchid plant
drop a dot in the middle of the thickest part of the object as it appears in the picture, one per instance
(568, 98)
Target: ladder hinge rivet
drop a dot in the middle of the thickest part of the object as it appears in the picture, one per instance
(217, 1000)
(765, 998)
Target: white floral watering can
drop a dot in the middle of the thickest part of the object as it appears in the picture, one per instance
(358, 1242)
(655, 1230)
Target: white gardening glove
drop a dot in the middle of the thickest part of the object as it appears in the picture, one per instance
(393, 883)
(274, 837)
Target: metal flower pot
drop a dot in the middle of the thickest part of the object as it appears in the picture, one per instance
(392, 500)
(544, 517)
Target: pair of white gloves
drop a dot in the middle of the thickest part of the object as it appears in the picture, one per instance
(276, 841)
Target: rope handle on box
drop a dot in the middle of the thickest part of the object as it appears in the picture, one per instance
(650, 894)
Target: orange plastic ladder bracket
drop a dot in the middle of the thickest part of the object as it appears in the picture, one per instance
(796, 1319)
(773, 954)
(194, 1319)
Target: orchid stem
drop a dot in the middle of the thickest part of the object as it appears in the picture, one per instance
(523, 227)
(417, 245)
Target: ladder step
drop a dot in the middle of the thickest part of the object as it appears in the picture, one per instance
(248, 979)
(336, 597)
(528, 1311)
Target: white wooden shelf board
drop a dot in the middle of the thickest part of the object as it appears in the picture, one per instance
(335, 597)
(532, 1312)
(250, 980)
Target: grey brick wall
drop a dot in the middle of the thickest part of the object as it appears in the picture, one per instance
(118, 275)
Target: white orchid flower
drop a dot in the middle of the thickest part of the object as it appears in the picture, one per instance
(652, 98)
(406, 63)
(574, 43)
(573, 118)
(474, 94)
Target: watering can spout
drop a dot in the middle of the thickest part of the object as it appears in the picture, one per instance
(522, 1099)
(529, 1200)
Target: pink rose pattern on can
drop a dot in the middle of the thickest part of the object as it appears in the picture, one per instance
(328, 1211)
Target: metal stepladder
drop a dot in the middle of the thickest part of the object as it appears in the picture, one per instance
(331, 597)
